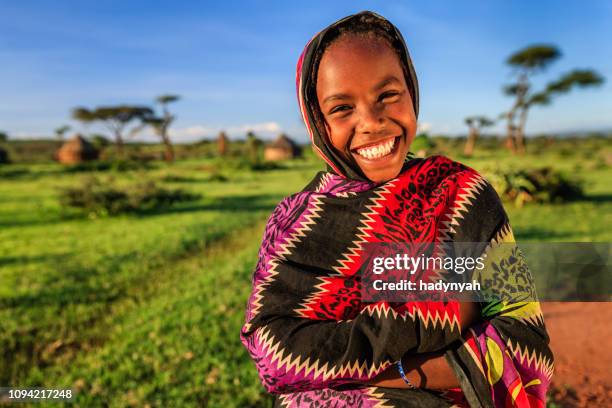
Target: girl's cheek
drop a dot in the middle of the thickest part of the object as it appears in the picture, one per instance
(339, 132)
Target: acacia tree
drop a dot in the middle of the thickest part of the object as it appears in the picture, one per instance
(475, 124)
(527, 62)
(253, 145)
(114, 118)
(160, 124)
(61, 131)
(574, 79)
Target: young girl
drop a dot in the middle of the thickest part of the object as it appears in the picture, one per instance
(314, 341)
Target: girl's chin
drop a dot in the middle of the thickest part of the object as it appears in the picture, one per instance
(382, 176)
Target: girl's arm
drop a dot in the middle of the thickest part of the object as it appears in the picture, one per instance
(430, 370)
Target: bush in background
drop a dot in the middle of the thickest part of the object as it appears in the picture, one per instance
(541, 185)
(110, 165)
(99, 198)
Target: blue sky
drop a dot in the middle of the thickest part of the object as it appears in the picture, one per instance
(233, 63)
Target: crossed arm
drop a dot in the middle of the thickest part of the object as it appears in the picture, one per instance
(430, 370)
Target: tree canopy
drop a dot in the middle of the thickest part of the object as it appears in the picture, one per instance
(534, 57)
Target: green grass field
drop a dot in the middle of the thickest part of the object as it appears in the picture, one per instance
(146, 309)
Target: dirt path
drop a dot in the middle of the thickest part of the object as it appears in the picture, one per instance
(581, 340)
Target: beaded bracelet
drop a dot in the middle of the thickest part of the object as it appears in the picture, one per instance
(403, 375)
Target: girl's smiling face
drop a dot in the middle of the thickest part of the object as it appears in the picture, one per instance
(366, 105)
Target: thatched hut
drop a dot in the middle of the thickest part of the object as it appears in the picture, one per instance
(76, 150)
(4, 156)
(282, 148)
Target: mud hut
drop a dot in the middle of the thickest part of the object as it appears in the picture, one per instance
(76, 150)
(282, 148)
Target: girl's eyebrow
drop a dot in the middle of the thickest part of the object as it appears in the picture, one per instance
(336, 96)
(387, 81)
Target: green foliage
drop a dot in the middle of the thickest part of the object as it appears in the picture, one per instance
(244, 163)
(102, 198)
(422, 141)
(177, 178)
(99, 141)
(534, 56)
(580, 78)
(12, 172)
(32, 151)
(118, 165)
(139, 310)
(218, 177)
(146, 310)
(542, 185)
(4, 156)
(120, 114)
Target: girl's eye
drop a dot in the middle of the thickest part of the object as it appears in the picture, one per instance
(390, 96)
(339, 108)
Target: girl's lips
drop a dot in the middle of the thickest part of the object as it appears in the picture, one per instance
(354, 149)
(362, 152)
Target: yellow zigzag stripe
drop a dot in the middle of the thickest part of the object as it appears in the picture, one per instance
(364, 230)
(532, 358)
(464, 199)
(377, 398)
(285, 400)
(296, 364)
(426, 318)
(323, 183)
(353, 251)
(529, 312)
(284, 249)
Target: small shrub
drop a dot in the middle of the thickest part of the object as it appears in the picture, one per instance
(218, 177)
(109, 165)
(542, 185)
(148, 196)
(99, 198)
(11, 172)
(174, 178)
(422, 145)
(96, 165)
(265, 166)
(4, 156)
(243, 163)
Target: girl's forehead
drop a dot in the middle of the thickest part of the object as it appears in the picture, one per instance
(363, 41)
(349, 57)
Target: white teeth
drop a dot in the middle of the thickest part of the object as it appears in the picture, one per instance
(377, 151)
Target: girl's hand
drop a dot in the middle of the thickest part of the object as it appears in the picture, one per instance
(422, 370)
(428, 370)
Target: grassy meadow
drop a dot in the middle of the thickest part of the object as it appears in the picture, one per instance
(145, 309)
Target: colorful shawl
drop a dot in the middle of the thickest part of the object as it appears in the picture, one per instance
(316, 343)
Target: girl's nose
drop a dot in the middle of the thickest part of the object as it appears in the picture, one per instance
(370, 120)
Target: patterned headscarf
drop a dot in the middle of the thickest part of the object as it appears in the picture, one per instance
(306, 81)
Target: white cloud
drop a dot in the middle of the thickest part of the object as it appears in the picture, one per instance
(266, 127)
(196, 132)
(423, 127)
